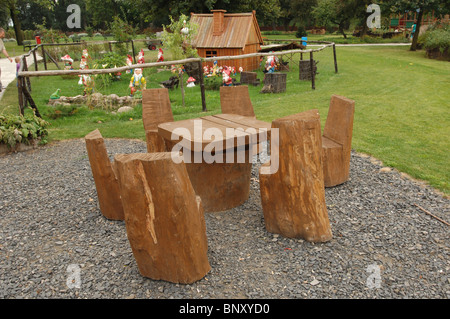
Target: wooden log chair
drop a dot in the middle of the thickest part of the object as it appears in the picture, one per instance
(293, 197)
(104, 173)
(156, 109)
(236, 100)
(163, 216)
(337, 140)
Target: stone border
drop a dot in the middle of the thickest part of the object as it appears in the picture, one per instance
(20, 147)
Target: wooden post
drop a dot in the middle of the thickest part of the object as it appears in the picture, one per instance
(133, 52)
(311, 61)
(43, 57)
(335, 61)
(202, 86)
(110, 47)
(20, 95)
(53, 60)
(35, 60)
(29, 99)
(293, 196)
(27, 79)
(164, 218)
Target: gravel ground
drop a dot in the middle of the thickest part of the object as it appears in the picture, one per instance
(383, 245)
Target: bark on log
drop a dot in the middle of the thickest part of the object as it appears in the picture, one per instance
(163, 217)
(293, 198)
(274, 83)
(103, 171)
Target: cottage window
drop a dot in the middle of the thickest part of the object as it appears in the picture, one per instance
(211, 53)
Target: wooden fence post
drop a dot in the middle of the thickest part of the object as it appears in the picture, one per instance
(43, 56)
(335, 61)
(311, 61)
(202, 86)
(35, 60)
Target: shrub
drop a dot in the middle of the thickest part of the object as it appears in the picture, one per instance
(301, 32)
(436, 38)
(15, 129)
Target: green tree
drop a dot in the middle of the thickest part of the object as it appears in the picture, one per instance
(177, 37)
(11, 7)
(422, 7)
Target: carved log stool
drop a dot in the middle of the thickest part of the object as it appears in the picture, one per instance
(103, 171)
(274, 82)
(293, 198)
(164, 218)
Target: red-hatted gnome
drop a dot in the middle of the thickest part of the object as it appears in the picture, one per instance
(129, 63)
(160, 55)
(226, 76)
(141, 57)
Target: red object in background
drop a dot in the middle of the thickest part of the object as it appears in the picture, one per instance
(38, 40)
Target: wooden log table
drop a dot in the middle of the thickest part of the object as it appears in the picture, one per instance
(217, 150)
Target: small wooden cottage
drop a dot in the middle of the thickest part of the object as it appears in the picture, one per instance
(227, 34)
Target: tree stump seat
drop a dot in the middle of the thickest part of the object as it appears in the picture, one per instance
(104, 173)
(293, 197)
(274, 82)
(164, 217)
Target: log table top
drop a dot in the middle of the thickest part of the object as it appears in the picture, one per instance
(222, 131)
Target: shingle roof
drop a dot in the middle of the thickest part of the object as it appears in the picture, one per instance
(237, 27)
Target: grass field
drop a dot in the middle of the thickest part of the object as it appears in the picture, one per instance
(402, 105)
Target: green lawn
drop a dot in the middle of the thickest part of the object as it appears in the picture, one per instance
(402, 105)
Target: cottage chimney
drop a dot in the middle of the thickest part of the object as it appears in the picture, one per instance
(218, 21)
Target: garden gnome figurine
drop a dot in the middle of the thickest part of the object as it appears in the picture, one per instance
(137, 81)
(160, 55)
(129, 62)
(270, 64)
(141, 57)
(67, 62)
(226, 76)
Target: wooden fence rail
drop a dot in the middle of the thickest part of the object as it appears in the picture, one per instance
(24, 73)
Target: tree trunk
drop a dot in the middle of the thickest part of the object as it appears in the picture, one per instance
(341, 30)
(16, 22)
(416, 34)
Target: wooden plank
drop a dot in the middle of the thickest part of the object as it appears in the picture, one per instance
(195, 140)
(243, 120)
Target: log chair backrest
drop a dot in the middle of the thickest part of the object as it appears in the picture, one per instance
(236, 100)
(339, 123)
(156, 108)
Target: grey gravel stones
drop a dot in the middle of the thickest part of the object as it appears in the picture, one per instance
(53, 237)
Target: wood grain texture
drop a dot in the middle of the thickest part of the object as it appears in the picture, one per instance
(293, 198)
(103, 171)
(163, 217)
(156, 109)
(236, 100)
(337, 141)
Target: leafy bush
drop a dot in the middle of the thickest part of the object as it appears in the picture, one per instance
(437, 37)
(301, 32)
(16, 129)
(110, 60)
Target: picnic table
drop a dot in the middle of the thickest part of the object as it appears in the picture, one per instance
(218, 153)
